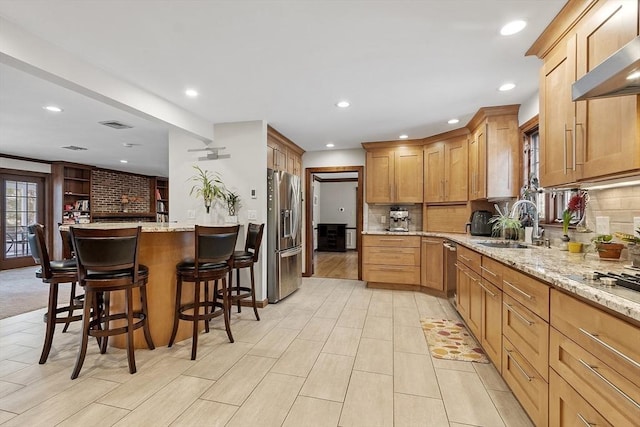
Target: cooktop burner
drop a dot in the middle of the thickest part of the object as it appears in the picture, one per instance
(626, 280)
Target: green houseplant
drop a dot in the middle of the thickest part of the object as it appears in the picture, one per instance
(506, 226)
(207, 185)
(606, 248)
(232, 199)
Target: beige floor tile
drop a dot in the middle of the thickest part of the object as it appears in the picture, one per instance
(380, 328)
(352, 318)
(330, 309)
(449, 310)
(329, 377)
(6, 416)
(403, 299)
(205, 413)
(234, 386)
(64, 404)
(6, 388)
(490, 376)
(311, 302)
(145, 384)
(374, 356)
(466, 399)
(296, 319)
(429, 307)
(252, 333)
(456, 365)
(343, 341)
(270, 402)
(274, 343)
(310, 412)
(167, 404)
(406, 316)
(359, 299)
(19, 352)
(459, 425)
(409, 339)
(381, 309)
(220, 360)
(509, 409)
(369, 400)
(414, 374)
(382, 295)
(299, 358)
(95, 415)
(318, 329)
(414, 411)
(21, 338)
(35, 372)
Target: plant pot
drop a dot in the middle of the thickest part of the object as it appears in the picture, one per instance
(634, 255)
(231, 219)
(511, 233)
(609, 250)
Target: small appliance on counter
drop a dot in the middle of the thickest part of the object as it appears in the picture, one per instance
(398, 219)
(479, 224)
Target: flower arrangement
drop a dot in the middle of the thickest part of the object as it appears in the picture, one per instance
(575, 207)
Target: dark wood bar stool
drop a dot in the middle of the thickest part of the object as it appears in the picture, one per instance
(108, 262)
(53, 273)
(214, 247)
(244, 259)
(67, 254)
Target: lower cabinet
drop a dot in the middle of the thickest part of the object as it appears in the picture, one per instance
(432, 264)
(391, 259)
(491, 326)
(568, 408)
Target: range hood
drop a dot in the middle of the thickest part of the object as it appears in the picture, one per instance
(611, 78)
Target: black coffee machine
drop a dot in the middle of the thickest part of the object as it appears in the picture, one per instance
(479, 224)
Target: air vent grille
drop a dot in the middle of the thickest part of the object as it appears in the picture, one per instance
(116, 124)
(74, 148)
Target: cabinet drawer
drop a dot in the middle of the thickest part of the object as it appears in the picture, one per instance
(393, 257)
(606, 390)
(613, 340)
(406, 275)
(492, 271)
(470, 258)
(529, 292)
(391, 240)
(568, 408)
(527, 332)
(531, 390)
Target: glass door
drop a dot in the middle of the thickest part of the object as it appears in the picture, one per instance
(23, 204)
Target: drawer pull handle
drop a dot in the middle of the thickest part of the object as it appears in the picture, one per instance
(489, 271)
(522, 371)
(584, 421)
(471, 277)
(526, 295)
(610, 348)
(390, 268)
(391, 240)
(609, 383)
(487, 290)
(524, 319)
(464, 257)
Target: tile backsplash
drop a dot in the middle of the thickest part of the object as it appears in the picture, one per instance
(375, 213)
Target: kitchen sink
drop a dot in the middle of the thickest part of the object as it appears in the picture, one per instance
(505, 245)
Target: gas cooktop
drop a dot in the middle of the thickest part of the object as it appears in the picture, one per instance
(629, 280)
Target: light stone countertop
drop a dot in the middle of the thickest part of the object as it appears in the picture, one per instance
(147, 227)
(553, 266)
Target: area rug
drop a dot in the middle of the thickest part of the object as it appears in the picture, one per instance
(449, 339)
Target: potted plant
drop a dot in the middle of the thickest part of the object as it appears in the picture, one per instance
(634, 246)
(506, 226)
(606, 248)
(232, 200)
(207, 185)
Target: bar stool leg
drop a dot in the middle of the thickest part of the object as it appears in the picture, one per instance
(72, 297)
(176, 317)
(206, 307)
(196, 322)
(86, 320)
(104, 312)
(237, 286)
(253, 293)
(130, 348)
(145, 312)
(51, 322)
(226, 308)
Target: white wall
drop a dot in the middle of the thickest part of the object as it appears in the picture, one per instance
(338, 203)
(528, 109)
(246, 142)
(24, 165)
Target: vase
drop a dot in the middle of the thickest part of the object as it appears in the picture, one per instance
(231, 219)
(634, 254)
(564, 243)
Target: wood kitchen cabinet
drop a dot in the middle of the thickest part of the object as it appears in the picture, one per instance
(394, 175)
(282, 153)
(445, 170)
(391, 259)
(432, 266)
(587, 139)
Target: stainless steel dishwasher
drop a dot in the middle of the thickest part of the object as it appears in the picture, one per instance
(450, 259)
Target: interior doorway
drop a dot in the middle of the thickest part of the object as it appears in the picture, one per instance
(339, 231)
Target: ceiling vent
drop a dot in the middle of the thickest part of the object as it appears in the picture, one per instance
(74, 148)
(115, 124)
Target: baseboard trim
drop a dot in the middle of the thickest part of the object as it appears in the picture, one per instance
(260, 304)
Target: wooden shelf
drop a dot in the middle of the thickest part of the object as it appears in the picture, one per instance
(123, 215)
(69, 193)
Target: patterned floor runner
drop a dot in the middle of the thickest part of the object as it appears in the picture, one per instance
(449, 339)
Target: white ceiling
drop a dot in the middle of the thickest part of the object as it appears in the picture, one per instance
(405, 66)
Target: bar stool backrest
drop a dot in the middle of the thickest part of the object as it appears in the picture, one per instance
(67, 243)
(254, 239)
(215, 244)
(106, 250)
(38, 247)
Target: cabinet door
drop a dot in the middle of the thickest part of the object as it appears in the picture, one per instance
(456, 166)
(478, 163)
(503, 157)
(475, 305)
(462, 292)
(271, 158)
(557, 114)
(607, 129)
(492, 322)
(434, 173)
(380, 173)
(408, 175)
(432, 264)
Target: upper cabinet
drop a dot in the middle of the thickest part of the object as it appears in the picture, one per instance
(590, 139)
(494, 153)
(394, 175)
(445, 170)
(282, 153)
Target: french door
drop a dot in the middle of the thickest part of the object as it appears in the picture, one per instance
(22, 204)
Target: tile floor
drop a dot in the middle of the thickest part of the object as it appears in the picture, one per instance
(333, 354)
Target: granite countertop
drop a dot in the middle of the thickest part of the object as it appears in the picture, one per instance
(147, 227)
(554, 266)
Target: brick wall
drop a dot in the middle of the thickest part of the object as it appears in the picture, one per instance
(108, 187)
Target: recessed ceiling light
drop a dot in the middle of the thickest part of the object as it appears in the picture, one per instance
(453, 121)
(403, 136)
(634, 75)
(513, 27)
(343, 104)
(507, 86)
(124, 161)
(330, 145)
(191, 93)
(53, 109)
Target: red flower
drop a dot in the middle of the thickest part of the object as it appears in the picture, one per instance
(576, 204)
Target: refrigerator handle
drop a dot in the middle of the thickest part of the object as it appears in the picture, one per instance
(291, 252)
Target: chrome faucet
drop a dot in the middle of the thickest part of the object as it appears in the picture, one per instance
(537, 232)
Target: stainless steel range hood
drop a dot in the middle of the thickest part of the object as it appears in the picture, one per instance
(611, 78)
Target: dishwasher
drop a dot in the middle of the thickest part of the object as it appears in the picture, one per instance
(449, 267)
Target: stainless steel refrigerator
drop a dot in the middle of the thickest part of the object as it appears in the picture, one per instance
(284, 234)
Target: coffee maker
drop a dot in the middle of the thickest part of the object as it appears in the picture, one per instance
(398, 219)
